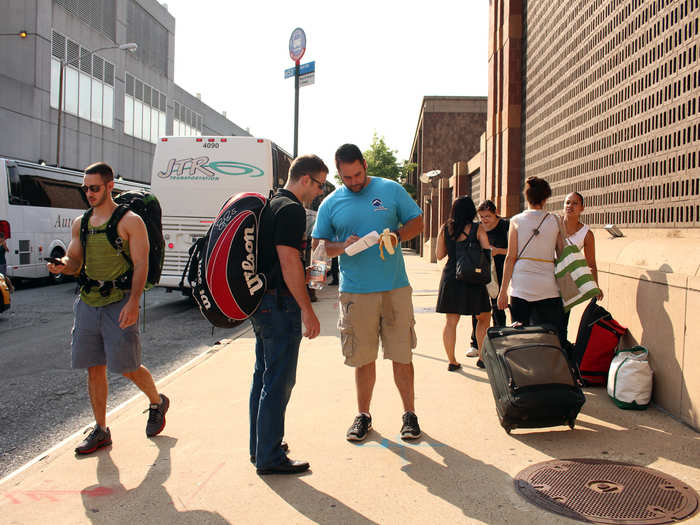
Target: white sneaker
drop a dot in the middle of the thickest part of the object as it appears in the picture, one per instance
(473, 352)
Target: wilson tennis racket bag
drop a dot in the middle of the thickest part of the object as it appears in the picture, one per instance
(223, 266)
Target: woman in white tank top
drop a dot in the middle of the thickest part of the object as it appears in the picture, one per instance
(528, 272)
(581, 235)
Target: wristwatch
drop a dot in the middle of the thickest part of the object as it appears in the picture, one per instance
(398, 236)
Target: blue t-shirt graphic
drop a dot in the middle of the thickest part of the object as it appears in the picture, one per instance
(381, 204)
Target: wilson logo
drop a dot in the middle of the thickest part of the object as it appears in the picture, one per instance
(252, 280)
(205, 300)
(202, 295)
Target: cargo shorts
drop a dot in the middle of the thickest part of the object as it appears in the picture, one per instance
(97, 339)
(367, 317)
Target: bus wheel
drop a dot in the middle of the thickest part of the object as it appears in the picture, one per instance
(57, 278)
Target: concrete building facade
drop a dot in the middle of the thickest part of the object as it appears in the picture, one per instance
(603, 98)
(115, 103)
(448, 131)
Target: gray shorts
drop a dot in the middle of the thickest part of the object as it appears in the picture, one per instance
(97, 339)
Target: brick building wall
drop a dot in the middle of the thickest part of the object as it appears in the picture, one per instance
(448, 131)
(606, 97)
(612, 108)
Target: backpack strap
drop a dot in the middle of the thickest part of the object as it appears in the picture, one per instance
(275, 276)
(536, 231)
(112, 234)
(473, 229)
(122, 282)
(83, 279)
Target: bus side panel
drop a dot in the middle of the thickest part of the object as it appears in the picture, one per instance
(192, 180)
(35, 231)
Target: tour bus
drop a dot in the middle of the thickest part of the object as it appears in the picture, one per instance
(193, 177)
(37, 207)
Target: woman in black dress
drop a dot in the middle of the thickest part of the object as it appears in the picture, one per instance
(456, 297)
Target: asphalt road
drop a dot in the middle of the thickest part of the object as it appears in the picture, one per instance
(42, 400)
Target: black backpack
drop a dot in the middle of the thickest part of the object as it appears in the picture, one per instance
(222, 269)
(145, 205)
(473, 262)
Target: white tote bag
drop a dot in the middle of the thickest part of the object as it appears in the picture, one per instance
(630, 379)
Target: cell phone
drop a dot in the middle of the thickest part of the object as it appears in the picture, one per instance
(54, 260)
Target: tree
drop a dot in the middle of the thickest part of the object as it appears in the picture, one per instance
(381, 160)
(407, 169)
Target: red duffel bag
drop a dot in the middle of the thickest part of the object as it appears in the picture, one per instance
(596, 341)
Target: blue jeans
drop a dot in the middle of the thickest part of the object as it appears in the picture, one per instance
(277, 325)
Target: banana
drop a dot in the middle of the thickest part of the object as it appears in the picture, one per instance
(385, 241)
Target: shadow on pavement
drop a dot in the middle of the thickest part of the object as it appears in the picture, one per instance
(464, 371)
(629, 437)
(317, 506)
(458, 479)
(110, 502)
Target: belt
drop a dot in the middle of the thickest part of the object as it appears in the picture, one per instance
(534, 259)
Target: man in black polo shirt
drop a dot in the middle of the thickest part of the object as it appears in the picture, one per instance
(277, 322)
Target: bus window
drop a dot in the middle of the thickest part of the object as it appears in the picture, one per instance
(64, 194)
(34, 190)
(15, 185)
(280, 167)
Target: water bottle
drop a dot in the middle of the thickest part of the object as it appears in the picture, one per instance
(318, 268)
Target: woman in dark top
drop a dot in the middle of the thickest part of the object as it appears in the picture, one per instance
(456, 297)
(497, 231)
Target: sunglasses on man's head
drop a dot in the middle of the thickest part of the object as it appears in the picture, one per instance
(92, 188)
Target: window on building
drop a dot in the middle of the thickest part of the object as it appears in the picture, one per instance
(88, 81)
(186, 122)
(144, 110)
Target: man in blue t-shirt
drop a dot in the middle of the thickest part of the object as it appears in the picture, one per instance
(375, 295)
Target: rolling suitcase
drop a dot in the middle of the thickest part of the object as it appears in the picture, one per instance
(534, 384)
(596, 341)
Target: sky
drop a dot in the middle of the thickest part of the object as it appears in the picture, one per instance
(375, 61)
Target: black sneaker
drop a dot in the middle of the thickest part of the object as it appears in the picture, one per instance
(156, 416)
(98, 438)
(410, 428)
(360, 428)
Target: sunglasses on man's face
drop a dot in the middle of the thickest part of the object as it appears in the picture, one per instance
(92, 188)
(320, 185)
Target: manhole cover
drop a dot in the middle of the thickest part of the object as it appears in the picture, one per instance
(600, 491)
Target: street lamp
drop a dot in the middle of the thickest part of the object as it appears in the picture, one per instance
(131, 47)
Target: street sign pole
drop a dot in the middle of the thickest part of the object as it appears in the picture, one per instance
(296, 109)
(297, 47)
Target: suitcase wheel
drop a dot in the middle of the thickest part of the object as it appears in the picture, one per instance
(572, 423)
(507, 426)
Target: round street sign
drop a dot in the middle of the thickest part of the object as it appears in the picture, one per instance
(297, 44)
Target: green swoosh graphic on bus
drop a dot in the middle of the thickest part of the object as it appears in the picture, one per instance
(229, 167)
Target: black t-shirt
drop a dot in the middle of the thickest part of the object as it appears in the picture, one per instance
(284, 225)
(498, 238)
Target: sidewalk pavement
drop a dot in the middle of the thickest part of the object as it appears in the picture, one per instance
(460, 471)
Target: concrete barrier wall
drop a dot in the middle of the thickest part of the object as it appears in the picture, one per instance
(660, 306)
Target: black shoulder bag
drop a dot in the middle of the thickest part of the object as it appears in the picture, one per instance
(473, 262)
